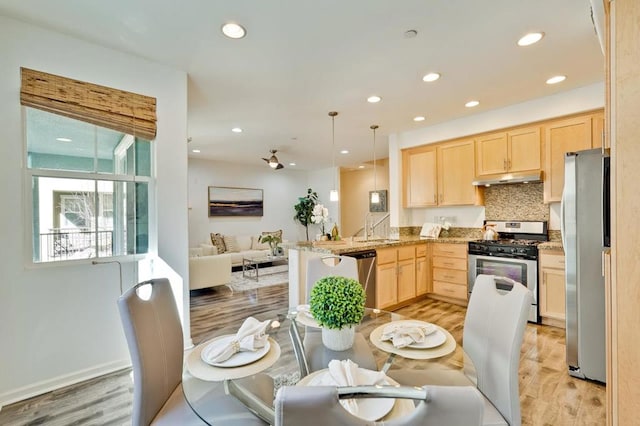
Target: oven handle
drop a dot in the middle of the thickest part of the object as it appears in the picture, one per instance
(504, 259)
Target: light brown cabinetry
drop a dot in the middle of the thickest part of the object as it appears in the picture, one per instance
(423, 269)
(440, 175)
(552, 288)
(574, 134)
(450, 271)
(402, 274)
(514, 151)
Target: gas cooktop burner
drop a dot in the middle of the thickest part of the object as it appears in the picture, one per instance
(509, 242)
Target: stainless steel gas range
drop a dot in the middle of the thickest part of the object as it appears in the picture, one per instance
(513, 255)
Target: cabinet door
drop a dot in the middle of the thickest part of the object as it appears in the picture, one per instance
(491, 154)
(422, 276)
(456, 172)
(552, 294)
(406, 280)
(386, 285)
(524, 150)
(597, 130)
(420, 178)
(562, 137)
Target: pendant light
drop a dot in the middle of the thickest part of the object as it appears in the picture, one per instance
(375, 195)
(333, 194)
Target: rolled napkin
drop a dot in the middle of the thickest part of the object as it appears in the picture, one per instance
(404, 334)
(250, 337)
(347, 373)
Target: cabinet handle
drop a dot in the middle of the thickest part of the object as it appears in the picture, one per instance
(508, 164)
(504, 164)
(447, 263)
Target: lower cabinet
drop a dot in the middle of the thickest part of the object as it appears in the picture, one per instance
(552, 288)
(401, 274)
(449, 263)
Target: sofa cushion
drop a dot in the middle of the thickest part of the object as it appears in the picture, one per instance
(257, 245)
(231, 244)
(196, 252)
(208, 250)
(244, 242)
(218, 241)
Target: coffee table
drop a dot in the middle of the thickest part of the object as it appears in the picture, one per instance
(251, 265)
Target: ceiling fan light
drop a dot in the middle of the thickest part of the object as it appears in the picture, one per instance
(375, 197)
(333, 195)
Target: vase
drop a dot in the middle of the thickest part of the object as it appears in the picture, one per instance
(338, 339)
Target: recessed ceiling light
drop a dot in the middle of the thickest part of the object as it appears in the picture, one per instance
(233, 30)
(63, 139)
(529, 39)
(472, 104)
(197, 151)
(236, 130)
(344, 151)
(432, 76)
(361, 167)
(418, 118)
(557, 79)
(374, 99)
(292, 164)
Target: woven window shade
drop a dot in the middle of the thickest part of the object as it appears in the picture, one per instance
(103, 106)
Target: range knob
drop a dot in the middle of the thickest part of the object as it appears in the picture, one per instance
(522, 250)
(514, 250)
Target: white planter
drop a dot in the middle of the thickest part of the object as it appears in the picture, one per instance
(338, 339)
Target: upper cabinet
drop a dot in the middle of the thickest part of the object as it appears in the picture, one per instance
(514, 151)
(561, 137)
(440, 175)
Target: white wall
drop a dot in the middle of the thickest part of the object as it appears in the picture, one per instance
(569, 102)
(281, 189)
(60, 324)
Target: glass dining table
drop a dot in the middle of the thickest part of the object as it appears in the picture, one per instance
(210, 392)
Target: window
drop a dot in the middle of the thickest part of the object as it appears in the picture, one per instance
(90, 189)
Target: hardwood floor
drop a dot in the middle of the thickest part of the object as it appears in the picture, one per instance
(549, 396)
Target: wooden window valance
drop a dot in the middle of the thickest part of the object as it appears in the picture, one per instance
(103, 106)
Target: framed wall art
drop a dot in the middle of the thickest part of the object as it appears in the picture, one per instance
(228, 201)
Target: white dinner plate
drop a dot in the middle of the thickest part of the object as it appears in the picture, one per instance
(236, 360)
(304, 317)
(432, 340)
(370, 409)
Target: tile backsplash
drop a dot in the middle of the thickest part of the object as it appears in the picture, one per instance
(518, 201)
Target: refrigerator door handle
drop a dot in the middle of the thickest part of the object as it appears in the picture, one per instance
(562, 232)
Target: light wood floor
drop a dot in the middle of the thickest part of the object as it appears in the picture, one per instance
(549, 396)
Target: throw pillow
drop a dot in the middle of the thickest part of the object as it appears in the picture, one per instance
(257, 245)
(277, 233)
(218, 241)
(231, 243)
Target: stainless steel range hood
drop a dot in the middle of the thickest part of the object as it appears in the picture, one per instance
(509, 178)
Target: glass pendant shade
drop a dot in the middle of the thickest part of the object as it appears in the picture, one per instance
(333, 195)
(375, 197)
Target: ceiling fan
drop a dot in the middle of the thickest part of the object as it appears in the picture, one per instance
(273, 160)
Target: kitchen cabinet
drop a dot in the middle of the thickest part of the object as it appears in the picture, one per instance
(552, 288)
(515, 151)
(400, 274)
(423, 269)
(440, 175)
(449, 263)
(574, 134)
(420, 177)
(597, 130)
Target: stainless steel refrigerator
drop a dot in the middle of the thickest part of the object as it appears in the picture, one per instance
(581, 226)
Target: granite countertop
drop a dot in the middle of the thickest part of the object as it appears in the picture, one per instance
(344, 247)
(550, 245)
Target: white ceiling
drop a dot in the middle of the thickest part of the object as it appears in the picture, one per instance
(303, 58)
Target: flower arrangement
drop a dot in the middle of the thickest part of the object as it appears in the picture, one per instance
(320, 216)
(337, 302)
(272, 240)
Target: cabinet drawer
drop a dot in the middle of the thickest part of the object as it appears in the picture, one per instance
(450, 250)
(421, 250)
(386, 256)
(406, 253)
(452, 290)
(552, 261)
(450, 275)
(450, 263)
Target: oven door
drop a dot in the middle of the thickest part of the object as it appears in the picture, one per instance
(520, 270)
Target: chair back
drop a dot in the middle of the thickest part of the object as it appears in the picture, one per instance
(320, 267)
(154, 336)
(493, 331)
(319, 405)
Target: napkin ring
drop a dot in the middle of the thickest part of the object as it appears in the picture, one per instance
(235, 345)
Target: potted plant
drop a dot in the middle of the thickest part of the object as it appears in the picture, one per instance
(304, 209)
(337, 304)
(273, 241)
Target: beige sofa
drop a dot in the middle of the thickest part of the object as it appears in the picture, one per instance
(207, 268)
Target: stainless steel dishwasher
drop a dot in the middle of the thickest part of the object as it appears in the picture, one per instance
(367, 274)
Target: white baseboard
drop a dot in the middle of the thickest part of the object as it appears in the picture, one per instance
(44, 386)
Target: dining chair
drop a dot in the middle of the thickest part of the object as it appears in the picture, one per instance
(492, 338)
(154, 335)
(319, 267)
(319, 405)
